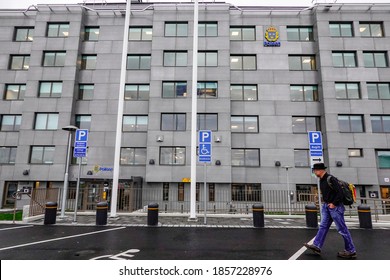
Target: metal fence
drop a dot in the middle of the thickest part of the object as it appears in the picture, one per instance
(222, 202)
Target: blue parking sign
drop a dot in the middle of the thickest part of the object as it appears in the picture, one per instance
(204, 153)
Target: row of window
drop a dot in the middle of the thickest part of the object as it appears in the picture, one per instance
(177, 156)
(372, 59)
(240, 92)
(205, 29)
(177, 122)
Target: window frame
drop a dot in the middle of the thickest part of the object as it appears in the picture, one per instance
(317, 121)
(21, 90)
(47, 121)
(139, 126)
(245, 157)
(340, 29)
(58, 60)
(179, 122)
(350, 125)
(139, 93)
(52, 85)
(86, 94)
(383, 128)
(82, 124)
(304, 91)
(87, 63)
(244, 123)
(176, 32)
(17, 120)
(206, 29)
(88, 30)
(175, 85)
(134, 152)
(24, 65)
(370, 29)
(144, 62)
(241, 61)
(203, 87)
(379, 95)
(175, 151)
(44, 152)
(348, 90)
(206, 125)
(343, 55)
(241, 34)
(301, 29)
(143, 36)
(175, 59)
(61, 25)
(11, 157)
(374, 59)
(301, 62)
(244, 88)
(28, 35)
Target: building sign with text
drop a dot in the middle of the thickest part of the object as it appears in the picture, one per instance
(271, 37)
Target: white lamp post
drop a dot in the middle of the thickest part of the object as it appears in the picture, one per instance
(70, 129)
(288, 188)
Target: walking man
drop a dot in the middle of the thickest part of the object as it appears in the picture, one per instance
(332, 210)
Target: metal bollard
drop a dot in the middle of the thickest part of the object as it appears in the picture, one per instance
(101, 213)
(50, 213)
(311, 216)
(364, 214)
(258, 215)
(153, 214)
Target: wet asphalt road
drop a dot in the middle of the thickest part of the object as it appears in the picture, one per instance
(37, 242)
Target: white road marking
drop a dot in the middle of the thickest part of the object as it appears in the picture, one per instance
(300, 251)
(59, 238)
(120, 256)
(15, 227)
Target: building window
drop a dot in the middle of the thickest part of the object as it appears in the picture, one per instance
(137, 92)
(305, 124)
(177, 59)
(243, 62)
(301, 158)
(165, 191)
(355, 152)
(207, 122)
(341, 29)
(211, 192)
(207, 89)
(242, 33)
(380, 124)
(176, 29)
(375, 59)
(11, 122)
(302, 62)
(344, 59)
(54, 58)
(24, 34)
(378, 90)
(243, 92)
(86, 91)
(88, 61)
(180, 192)
(58, 29)
(207, 59)
(42, 154)
(208, 29)
(91, 33)
(46, 121)
(14, 92)
(138, 62)
(246, 192)
(135, 123)
(347, 90)
(173, 122)
(350, 123)
(83, 121)
(371, 29)
(19, 62)
(7, 155)
(245, 157)
(172, 155)
(383, 159)
(174, 89)
(142, 33)
(303, 93)
(244, 124)
(133, 156)
(300, 33)
(50, 89)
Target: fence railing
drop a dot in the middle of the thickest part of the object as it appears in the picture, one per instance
(221, 202)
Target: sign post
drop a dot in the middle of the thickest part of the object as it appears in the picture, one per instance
(316, 155)
(205, 157)
(80, 151)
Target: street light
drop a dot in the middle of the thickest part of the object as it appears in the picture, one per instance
(288, 188)
(70, 129)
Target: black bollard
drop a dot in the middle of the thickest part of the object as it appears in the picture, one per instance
(101, 213)
(311, 216)
(50, 213)
(153, 214)
(364, 214)
(258, 215)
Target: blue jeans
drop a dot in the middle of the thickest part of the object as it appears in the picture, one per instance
(335, 215)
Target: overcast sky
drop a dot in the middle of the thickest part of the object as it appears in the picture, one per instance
(21, 4)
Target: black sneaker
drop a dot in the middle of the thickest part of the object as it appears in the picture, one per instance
(346, 255)
(313, 248)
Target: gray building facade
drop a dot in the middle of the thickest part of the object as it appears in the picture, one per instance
(266, 77)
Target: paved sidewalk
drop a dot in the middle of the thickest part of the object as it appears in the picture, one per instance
(212, 220)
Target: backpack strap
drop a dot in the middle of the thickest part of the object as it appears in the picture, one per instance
(328, 180)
